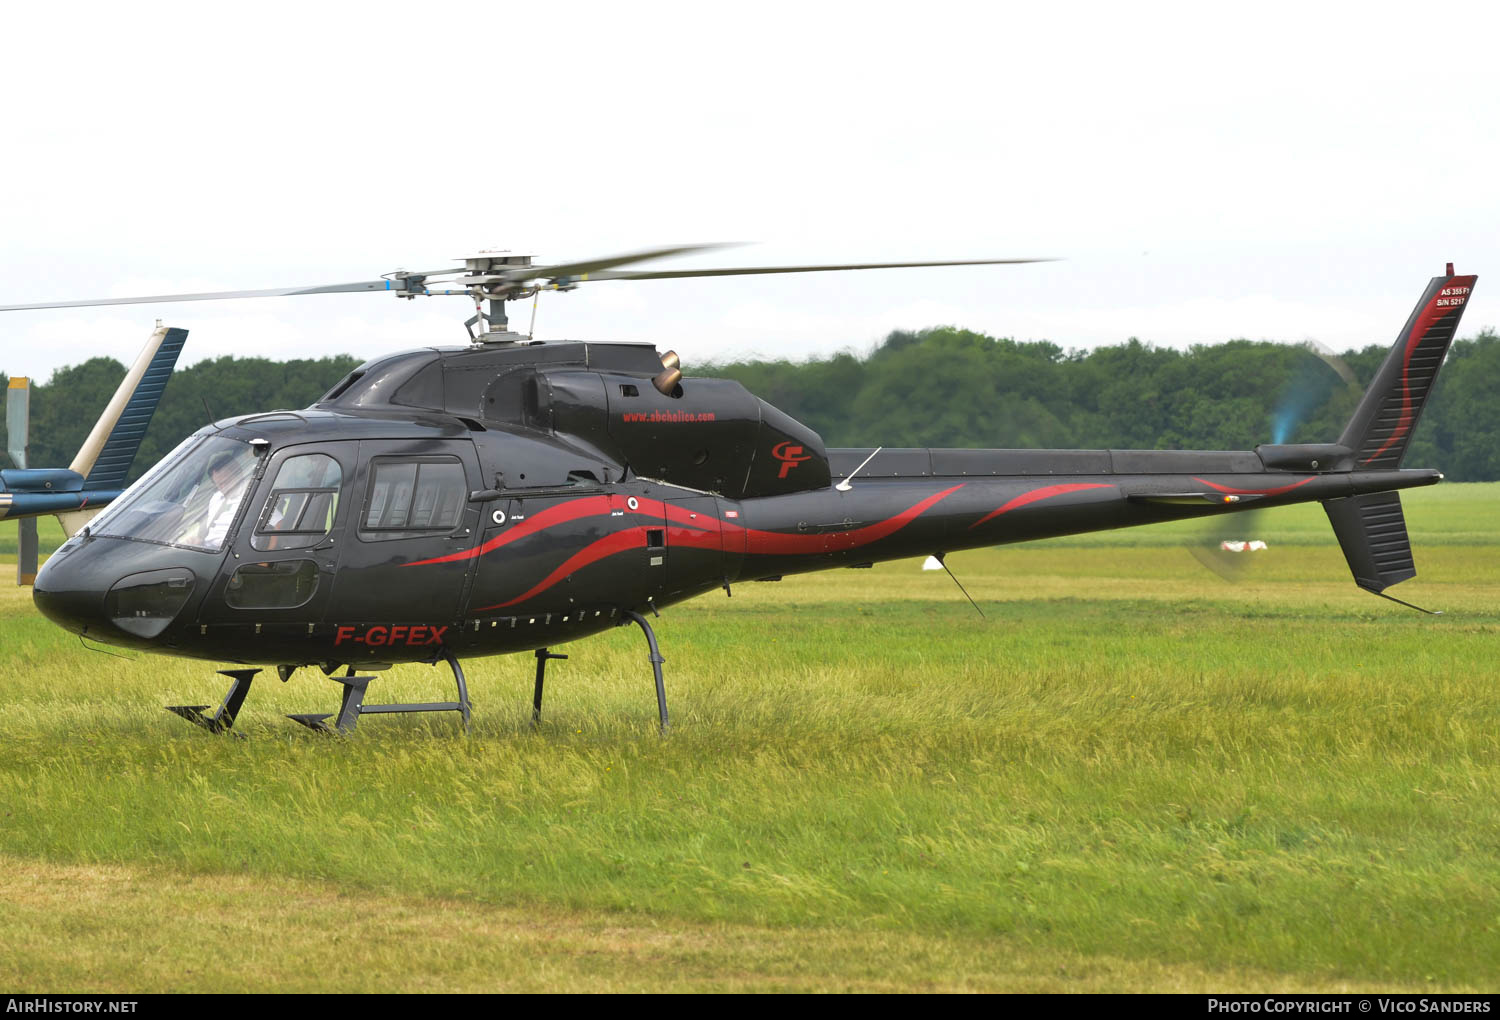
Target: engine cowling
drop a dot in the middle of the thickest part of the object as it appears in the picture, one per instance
(709, 434)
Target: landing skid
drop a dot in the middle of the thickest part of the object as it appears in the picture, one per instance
(656, 661)
(222, 720)
(542, 655)
(351, 707)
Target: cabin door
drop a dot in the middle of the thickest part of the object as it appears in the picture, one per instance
(282, 566)
(410, 547)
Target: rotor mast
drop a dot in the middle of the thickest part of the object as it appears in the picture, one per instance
(490, 295)
(490, 279)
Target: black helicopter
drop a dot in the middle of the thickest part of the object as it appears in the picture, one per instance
(511, 496)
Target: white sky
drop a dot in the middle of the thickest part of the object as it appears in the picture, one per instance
(1208, 171)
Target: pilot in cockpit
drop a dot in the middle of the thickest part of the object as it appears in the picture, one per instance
(190, 499)
(229, 476)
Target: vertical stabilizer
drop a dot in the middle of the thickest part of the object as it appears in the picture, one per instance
(1371, 530)
(1383, 423)
(106, 456)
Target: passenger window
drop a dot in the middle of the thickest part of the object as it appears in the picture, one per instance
(413, 497)
(303, 503)
(285, 584)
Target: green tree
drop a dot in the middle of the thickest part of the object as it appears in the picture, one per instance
(944, 386)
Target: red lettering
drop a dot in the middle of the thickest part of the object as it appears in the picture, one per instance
(789, 455)
(410, 634)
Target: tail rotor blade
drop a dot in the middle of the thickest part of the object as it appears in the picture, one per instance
(1225, 548)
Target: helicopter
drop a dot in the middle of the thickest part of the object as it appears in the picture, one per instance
(510, 495)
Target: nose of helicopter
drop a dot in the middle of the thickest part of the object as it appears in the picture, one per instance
(112, 590)
(63, 597)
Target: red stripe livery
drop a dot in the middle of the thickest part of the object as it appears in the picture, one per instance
(1034, 495)
(687, 532)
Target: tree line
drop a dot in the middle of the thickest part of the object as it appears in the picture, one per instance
(934, 387)
(954, 387)
(65, 407)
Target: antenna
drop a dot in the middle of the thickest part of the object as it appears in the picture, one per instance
(942, 558)
(1399, 602)
(844, 486)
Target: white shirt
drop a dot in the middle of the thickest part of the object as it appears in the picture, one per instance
(220, 517)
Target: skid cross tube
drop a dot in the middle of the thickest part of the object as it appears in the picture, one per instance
(542, 655)
(348, 718)
(221, 721)
(352, 706)
(656, 661)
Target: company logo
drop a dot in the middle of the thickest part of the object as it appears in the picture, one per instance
(790, 456)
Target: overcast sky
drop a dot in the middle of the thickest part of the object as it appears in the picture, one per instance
(1206, 171)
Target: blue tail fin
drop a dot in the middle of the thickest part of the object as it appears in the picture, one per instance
(114, 459)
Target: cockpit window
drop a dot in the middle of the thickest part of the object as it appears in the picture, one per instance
(302, 504)
(192, 502)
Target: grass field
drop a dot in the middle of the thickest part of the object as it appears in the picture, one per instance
(1129, 775)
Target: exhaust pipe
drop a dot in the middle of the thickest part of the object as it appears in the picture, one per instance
(670, 378)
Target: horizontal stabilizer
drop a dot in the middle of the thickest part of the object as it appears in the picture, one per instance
(1371, 530)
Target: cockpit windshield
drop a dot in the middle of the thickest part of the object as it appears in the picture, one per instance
(190, 500)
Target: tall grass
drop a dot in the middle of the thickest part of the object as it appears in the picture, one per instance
(1126, 758)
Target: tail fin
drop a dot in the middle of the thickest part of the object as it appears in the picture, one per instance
(1383, 423)
(106, 456)
(1371, 528)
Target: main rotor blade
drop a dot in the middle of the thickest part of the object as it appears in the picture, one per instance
(592, 269)
(679, 274)
(607, 262)
(335, 288)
